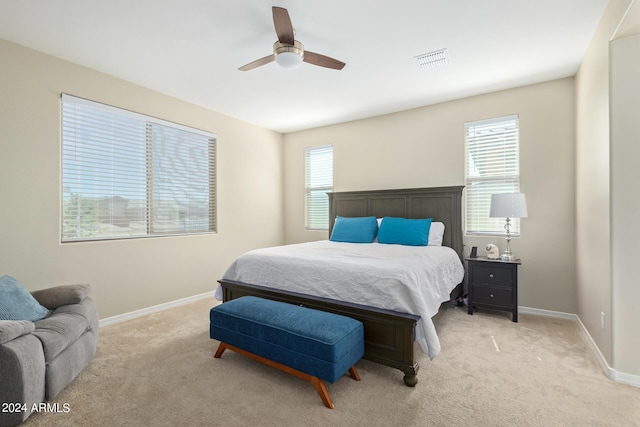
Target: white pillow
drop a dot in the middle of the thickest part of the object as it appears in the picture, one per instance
(379, 222)
(436, 233)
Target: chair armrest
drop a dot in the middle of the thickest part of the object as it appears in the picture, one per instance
(12, 329)
(57, 296)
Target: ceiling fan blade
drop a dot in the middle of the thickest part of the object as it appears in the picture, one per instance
(257, 63)
(323, 61)
(282, 23)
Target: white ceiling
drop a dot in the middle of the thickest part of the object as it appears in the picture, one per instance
(191, 49)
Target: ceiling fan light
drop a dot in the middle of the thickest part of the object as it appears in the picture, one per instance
(288, 56)
(288, 59)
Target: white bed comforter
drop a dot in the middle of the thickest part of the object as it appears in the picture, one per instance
(409, 279)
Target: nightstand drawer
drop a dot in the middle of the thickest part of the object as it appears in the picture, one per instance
(492, 295)
(492, 275)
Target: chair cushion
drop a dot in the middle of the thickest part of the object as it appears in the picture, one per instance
(16, 303)
(12, 329)
(322, 344)
(57, 296)
(65, 325)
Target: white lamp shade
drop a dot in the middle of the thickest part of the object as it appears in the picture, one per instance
(288, 59)
(509, 205)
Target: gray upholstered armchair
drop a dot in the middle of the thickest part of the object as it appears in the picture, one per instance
(38, 359)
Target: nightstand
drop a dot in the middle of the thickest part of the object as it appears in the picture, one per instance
(493, 284)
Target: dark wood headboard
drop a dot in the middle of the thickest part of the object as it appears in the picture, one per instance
(443, 204)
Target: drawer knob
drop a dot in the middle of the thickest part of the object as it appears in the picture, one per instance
(491, 275)
(491, 295)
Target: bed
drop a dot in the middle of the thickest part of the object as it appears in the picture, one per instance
(390, 334)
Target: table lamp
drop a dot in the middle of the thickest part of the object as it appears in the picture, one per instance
(508, 205)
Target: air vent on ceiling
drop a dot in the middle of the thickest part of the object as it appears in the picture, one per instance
(433, 59)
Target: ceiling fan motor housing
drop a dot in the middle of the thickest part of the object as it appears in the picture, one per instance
(287, 55)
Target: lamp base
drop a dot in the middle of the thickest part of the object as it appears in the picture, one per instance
(509, 257)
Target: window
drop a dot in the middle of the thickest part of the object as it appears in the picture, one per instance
(127, 175)
(492, 166)
(318, 167)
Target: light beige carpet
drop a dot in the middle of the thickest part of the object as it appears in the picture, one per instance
(159, 370)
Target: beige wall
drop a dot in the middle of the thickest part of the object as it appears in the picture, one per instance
(625, 202)
(595, 245)
(424, 147)
(131, 274)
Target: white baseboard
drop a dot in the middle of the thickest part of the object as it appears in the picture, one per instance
(547, 313)
(612, 374)
(601, 359)
(160, 307)
(624, 378)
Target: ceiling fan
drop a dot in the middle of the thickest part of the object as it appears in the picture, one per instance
(287, 51)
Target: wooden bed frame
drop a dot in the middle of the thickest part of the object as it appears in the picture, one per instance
(389, 335)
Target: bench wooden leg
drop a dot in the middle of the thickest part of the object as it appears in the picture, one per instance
(354, 373)
(221, 348)
(318, 384)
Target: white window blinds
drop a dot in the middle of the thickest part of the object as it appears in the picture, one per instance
(492, 167)
(128, 175)
(318, 165)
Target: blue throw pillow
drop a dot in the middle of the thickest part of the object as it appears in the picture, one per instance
(403, 231)
(16, 303)
(354, 229)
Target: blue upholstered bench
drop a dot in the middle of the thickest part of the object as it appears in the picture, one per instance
(310, 344)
